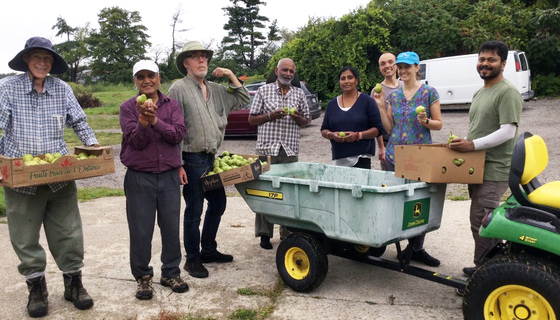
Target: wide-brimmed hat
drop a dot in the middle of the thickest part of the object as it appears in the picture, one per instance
(59, 65)
(190, 47)
(408, 57)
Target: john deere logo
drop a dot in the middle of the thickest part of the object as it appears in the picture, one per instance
(417, 210)
(416, 213)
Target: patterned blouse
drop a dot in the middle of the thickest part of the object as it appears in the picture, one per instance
(407, 130)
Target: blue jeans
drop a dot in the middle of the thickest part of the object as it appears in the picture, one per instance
(195, 165)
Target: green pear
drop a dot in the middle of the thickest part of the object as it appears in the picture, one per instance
(141, 98)
(458, 161)
(342, 134)
(420, 109)
(378, 88)
(293, 110)
(27, 157)
(451, 137)
(49, 157)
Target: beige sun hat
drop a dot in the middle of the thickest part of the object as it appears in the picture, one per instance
(190, 47)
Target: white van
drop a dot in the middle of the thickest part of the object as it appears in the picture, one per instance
(456, 78)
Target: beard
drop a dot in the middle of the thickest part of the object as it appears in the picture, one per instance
(491, 74)
(199, 74)
(285, 81)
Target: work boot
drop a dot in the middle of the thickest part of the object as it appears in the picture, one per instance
(176, 284)
(144, 290)
(420, 256)
(37, 304)
(425, 258)
(195, 268)
(215, 256)
(265, 242)
(469, 271)
(75, 292)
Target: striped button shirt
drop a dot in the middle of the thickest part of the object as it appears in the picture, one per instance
(34, 122)
(280, 132)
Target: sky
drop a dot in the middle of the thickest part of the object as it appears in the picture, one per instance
(203, 19)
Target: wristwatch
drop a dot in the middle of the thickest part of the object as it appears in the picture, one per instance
(427, 120)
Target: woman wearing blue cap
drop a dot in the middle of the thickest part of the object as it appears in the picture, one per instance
(407, 126)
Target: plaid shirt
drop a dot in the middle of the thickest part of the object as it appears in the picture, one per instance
(281, 132)
(34, 122)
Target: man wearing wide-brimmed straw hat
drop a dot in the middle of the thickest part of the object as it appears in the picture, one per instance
(206, 106)
(34, 109)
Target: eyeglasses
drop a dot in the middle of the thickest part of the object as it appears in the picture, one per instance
(43, 58)
(198, 56)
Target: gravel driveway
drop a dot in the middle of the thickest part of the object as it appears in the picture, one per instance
(538, 117)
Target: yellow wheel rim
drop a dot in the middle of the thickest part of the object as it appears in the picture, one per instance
(361, 248)
(297, 263)
(517, 303)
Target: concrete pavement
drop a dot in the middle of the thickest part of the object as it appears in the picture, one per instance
(351, 290)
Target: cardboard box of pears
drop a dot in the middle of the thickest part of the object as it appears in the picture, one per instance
(85, 162)
(233, 168)
(437, 163)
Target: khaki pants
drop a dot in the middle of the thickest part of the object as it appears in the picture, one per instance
(58, 213)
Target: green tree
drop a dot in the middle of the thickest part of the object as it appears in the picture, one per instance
(245, 37)
(120, 42)
(431, 28)
(494, 19)
(63, 28)
(544, 47)
(323, 47)
(73, 51)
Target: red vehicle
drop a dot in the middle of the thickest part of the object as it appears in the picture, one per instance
(238, 123)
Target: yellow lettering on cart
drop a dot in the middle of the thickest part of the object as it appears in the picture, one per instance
(528, 239)
(265, 194)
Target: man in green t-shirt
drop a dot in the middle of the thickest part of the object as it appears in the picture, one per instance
(494, 117)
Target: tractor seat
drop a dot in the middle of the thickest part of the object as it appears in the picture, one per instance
(529, 159)
(547, 195)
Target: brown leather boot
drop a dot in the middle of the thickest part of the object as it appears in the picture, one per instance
(75, 292)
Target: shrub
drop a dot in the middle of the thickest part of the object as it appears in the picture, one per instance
(84, 96)
(546, 85)
(87, 100)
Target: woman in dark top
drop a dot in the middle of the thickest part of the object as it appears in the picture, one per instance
(352, 122)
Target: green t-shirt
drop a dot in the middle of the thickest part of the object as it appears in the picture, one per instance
(491, 107)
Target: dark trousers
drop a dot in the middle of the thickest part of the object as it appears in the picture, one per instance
(363, 163)
(418, 241)
(195, 242)
(150, 196)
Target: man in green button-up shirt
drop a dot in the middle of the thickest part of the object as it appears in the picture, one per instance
(206, 106)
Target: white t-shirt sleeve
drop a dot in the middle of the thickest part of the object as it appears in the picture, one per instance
(505, 133)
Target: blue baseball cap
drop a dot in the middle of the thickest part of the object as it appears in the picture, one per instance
(408, 57)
